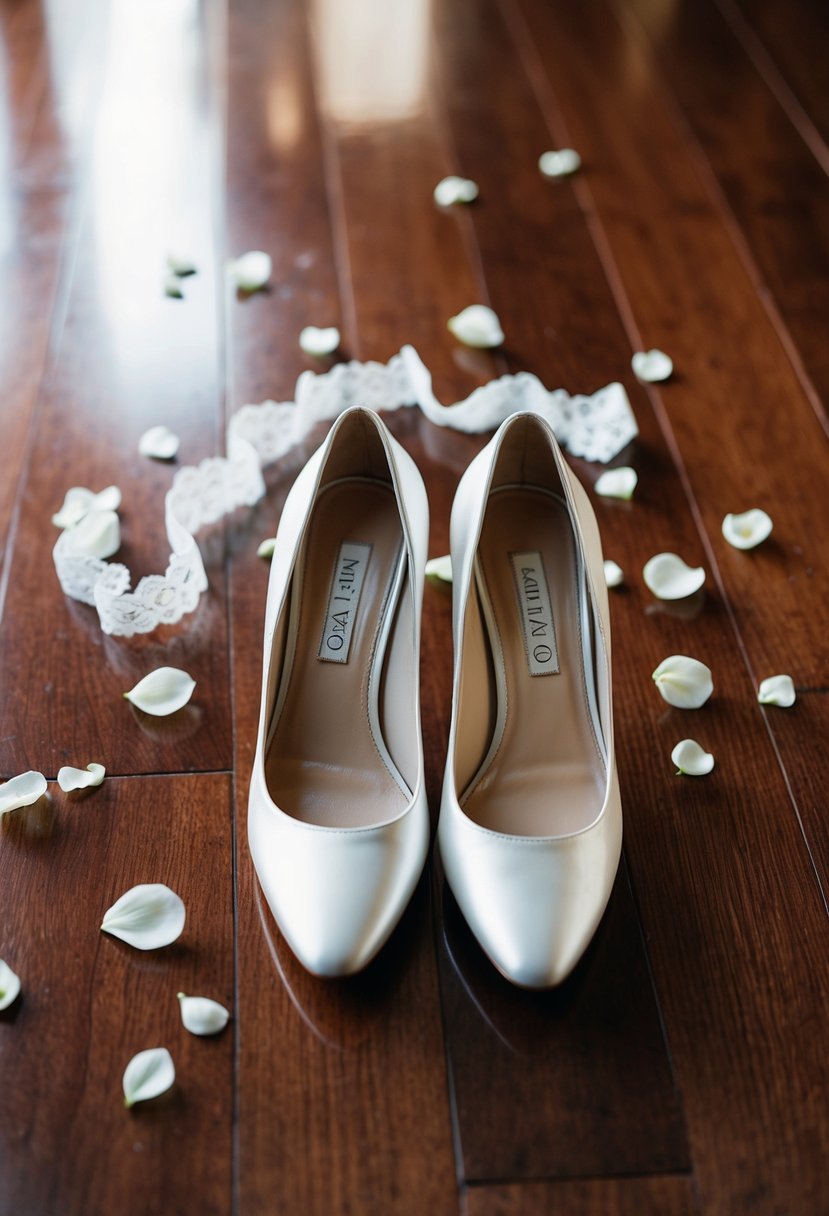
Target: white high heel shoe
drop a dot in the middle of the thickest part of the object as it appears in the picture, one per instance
(338, 823)
(531, 825)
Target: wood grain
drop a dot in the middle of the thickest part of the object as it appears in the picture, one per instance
(705, 852)
(29, 272)
(343, 1101)
(756, 156)
(561, 1084)
(90, 1002)
(684, 1067)
(125, 358)
(592, 1197)
(787, 46)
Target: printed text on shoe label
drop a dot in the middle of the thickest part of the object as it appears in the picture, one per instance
(343, 601)
(536, 613)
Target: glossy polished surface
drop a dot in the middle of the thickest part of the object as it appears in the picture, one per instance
(683, 1067)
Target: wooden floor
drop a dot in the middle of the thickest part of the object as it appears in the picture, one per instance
(684, 1068)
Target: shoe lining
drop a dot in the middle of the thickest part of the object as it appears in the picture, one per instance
(543, 773)
(326, 759)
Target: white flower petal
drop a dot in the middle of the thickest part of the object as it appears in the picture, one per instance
(76, 503)
(670, 578)
(267, 547)
(79, 501)
(748, 529)
(251, 271)
(147, 917)
(147, 1075)
(477, 326)
(617, 483)
(180, 266)
(316, 341)
(455, 190)
(173, 288)
(202, 1016)
(691, 760)
(159, 442)
(107, 500)
(80, 778)
(777, 690)
(683, 682)
(614, 575)
(652, 365)
(560, 163)
(21, 791)
(440, 568)
(98, 534)
(162, 692)
(9, 985)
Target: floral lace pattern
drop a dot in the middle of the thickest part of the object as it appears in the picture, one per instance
(595, 427)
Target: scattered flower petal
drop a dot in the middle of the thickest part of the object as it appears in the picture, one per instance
(79, 502)
(477, 326)
(777, 690)
(267, 547)
(251, 271)
(617, 483)
(202, 1016)
(80, 778)
(455, 190)
(691, 760)
(9, 985)
(21, 791)
(614, 575)
(147, 1075)
(319, 341)
(173, 288)
(652, 365)
(670, 578)
(162, 692)
(560, 163)
(98, 534)
(440, 568)
(147, 917)
(747, 530)
(180, 266)
(159, 442)
(683, 682)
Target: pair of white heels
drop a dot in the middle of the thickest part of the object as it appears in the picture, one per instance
(530, 825)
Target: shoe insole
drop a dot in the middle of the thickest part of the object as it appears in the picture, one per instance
(323, 764)
(544, 774)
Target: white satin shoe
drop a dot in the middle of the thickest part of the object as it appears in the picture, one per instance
(338, 823)
(530, 827)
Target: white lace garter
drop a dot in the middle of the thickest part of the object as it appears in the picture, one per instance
(595, 427)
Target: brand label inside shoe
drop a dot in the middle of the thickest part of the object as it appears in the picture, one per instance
(343, 601)
(536, 613)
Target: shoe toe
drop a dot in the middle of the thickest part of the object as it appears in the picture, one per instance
(533, 904)
(337, 895)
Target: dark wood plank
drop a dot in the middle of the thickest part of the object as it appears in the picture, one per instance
(90, 1002)
(125, 358)
(709, 322)
(733, 963)
(592, 1197)
(776, 190)
(576, 1081)
(788, 45)
(343, 1101)
(385, 170)
(553, 1116)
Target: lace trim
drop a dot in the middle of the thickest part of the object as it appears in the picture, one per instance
(595, 427)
